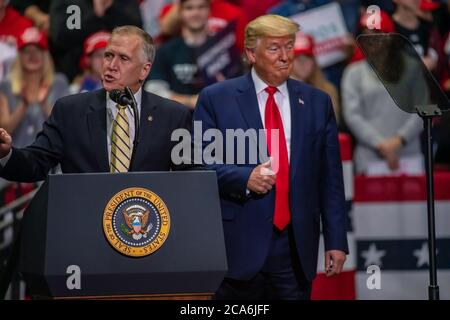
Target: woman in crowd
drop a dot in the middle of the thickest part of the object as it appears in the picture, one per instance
(30, 90)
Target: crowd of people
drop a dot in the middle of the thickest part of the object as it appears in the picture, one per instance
(41, 60)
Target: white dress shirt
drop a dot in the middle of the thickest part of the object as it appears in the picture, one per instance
(111, 113)
(283, 103)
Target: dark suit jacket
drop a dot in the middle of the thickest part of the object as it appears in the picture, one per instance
(316, 183)
(75, 136)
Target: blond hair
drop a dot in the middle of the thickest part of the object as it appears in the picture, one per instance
(269, 25)
(148, 45)
(17, 76)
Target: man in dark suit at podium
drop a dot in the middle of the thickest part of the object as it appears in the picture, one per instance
(88, 132)
(271, 214)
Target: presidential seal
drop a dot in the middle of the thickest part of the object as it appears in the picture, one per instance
(136, 222)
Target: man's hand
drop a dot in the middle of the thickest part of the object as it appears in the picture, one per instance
(334, 262)
(5, 143)
(261, 179)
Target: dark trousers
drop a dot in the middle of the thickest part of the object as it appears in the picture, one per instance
(281, 277)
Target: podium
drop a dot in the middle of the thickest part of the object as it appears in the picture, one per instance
(155, 235)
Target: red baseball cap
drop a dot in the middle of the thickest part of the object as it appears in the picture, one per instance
(386, 23)
(32, 35)
(304, 44)
(429, 5)
(97, 40)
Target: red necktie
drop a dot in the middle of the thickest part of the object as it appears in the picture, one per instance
(272, 119)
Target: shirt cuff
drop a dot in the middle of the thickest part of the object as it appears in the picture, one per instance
(5, 159)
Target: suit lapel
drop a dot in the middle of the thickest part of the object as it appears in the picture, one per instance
(298, 125)
(96, 119)
(147, 128)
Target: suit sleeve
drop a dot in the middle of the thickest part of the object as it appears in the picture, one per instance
(33, 163)
(232, 179)
(332, 188)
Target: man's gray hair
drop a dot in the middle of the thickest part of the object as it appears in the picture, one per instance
(148, 45)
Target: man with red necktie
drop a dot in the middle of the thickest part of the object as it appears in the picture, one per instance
(271, 210)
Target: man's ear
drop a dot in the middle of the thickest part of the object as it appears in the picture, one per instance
(145, 71)
(250, 53)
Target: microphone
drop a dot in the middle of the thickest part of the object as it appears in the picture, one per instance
(120, 97)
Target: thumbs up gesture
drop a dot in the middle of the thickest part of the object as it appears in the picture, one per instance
(262, 178)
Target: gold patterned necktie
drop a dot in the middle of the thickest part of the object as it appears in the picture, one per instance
(120, 142)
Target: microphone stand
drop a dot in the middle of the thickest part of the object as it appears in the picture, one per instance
(133, 105)
(427, 112)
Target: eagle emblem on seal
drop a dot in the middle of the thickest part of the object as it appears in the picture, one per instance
(136, 218)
